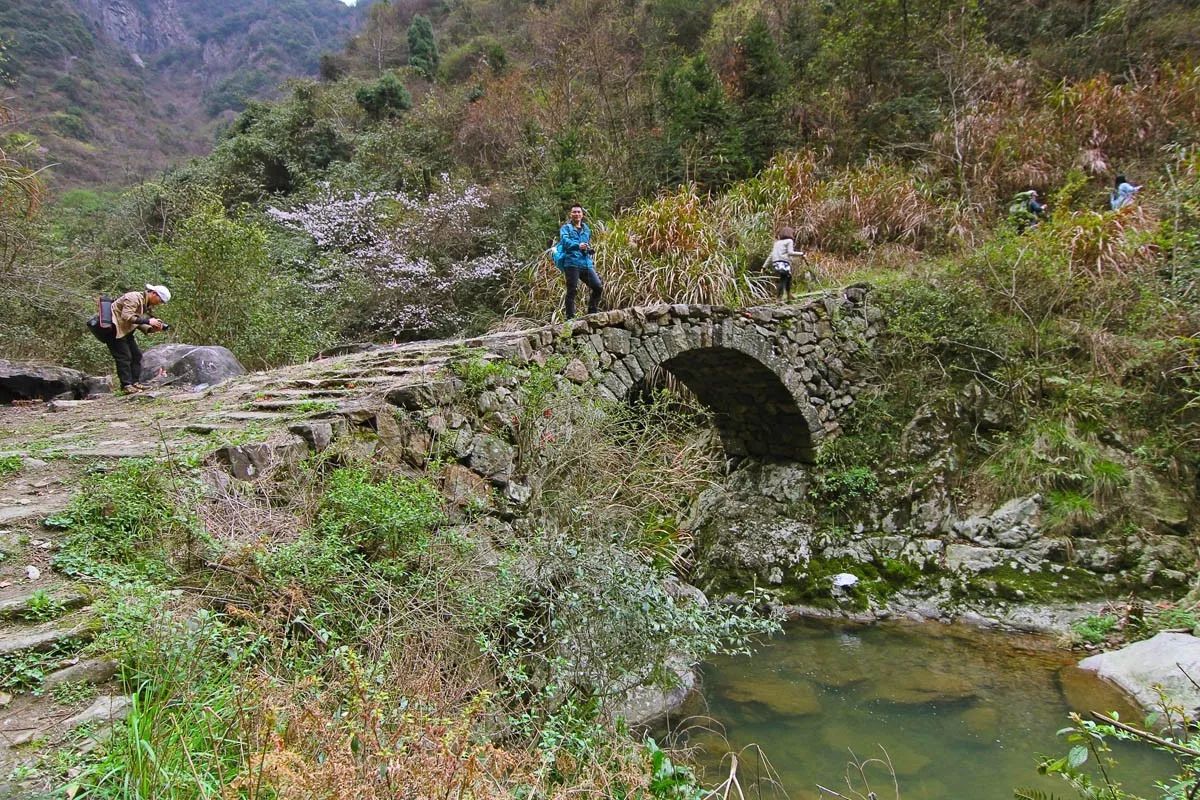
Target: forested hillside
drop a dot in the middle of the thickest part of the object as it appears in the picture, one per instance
(117, 90)
(411, 191)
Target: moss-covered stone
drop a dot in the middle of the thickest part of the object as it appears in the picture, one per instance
(1013, 583)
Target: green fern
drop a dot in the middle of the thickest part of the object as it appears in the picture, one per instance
(1033, 794)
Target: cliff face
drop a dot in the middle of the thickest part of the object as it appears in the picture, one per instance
(116, 90)
(141, 28)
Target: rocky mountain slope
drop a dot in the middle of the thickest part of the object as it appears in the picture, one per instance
(117, 89)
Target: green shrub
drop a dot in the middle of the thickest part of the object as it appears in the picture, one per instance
(847, 489)
(385, 98)
(228, 292)
(396, 514)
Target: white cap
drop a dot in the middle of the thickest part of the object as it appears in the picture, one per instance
(163, 292)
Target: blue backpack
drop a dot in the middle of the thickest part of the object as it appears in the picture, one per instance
(558, 254)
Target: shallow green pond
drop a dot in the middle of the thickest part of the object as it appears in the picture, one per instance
(961, 713)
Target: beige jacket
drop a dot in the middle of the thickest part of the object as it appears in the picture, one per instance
(130, 310)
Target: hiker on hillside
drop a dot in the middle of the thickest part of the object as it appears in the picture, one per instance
(1122, 193)
(1026, 210)
(576, 259)
(780, 260)
(130, 312)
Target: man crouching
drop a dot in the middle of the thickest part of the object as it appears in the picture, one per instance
(130, 312)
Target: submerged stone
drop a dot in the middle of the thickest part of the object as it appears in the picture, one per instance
(917, 685)
(782, 695)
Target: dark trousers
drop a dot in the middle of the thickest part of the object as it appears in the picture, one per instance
(785, 283)
(595, 287)
(125, 352)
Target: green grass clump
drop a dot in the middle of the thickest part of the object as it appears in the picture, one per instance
(184, 736)
(396, 514)
(478, 372)
(127, 524)
(9, 465)
(41, 607)
(1094, 628)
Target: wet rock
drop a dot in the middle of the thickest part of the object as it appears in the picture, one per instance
(926, 434)
(191, 365)
(643, 705)
(981, 720)
(906, 760)
(1098, 556)
(21, 380)
(784, 483)
(1166, 660)
(1163, 503)
(1012, 525)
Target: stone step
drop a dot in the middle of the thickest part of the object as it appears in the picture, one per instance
(331, 393)
(296, 405)
(79, 627)
(37, 508)
(332, 383)
(102, 713)
(14, 606)
(205, 428)
(148, 449)
(247, 416)
(89, 670)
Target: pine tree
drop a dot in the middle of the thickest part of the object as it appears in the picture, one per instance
(702, 141)
(422, 49)
(762, 78)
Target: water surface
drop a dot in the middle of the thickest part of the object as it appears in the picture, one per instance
(961, 713)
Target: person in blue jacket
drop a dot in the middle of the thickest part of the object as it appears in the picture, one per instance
(578, 261)
(1122, 193)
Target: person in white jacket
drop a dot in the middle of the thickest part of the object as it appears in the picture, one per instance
(780, 261)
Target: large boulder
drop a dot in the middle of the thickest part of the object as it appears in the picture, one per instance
(1169, 660)
(21, 380)
(190, 365)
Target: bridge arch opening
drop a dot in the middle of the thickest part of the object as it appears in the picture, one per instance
(758, 411)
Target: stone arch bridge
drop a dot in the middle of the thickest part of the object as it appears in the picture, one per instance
(775, 377)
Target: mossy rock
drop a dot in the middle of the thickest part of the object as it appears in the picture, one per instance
(1161, 502)
(1044, 586)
